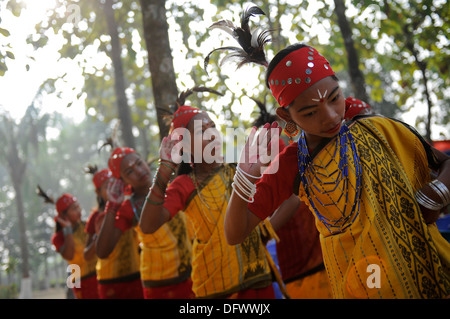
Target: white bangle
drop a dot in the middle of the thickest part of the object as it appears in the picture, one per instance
(441, 190)
(246, 191)
(243, 186)
(251, 200)
(239, 178)
(245, 173)
(427, 202)
(67, 230)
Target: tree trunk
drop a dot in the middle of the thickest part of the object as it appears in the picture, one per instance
(16, 168)
(156, 34)
(119, 79)
(356, 76)
(422, 65)
(25, 287)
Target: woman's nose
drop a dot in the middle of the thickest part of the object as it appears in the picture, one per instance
(329, 114)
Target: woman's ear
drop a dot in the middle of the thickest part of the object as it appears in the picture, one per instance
(283, 114)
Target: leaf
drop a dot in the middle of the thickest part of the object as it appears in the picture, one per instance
(4, 32)
(10, 55)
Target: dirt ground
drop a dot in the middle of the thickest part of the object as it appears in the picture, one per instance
(52, 293)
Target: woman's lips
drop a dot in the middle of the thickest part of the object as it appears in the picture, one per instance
(334, 129)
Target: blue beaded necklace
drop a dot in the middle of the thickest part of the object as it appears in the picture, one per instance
(305, 166)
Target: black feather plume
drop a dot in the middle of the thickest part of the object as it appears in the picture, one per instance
(181, 100)
(112, 140)
(91, 169)
(47, 199)
(251, 42)
(264, 115)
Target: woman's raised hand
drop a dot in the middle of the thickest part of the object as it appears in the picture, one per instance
(115, 190)
(260, 149)
(170, 148)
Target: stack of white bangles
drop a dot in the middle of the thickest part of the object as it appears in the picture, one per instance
(243, 184)
(441, 190)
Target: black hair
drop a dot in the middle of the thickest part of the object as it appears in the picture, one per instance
(184, 169)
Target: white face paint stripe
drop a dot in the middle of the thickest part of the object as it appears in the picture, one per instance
(320, 99)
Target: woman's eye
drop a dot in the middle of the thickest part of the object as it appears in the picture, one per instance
(309, 114)
(335, 98)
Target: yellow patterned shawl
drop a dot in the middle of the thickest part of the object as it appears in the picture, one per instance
(123, 260)
(166, 254)
(219, 269)
(87, 268)
(385, 251)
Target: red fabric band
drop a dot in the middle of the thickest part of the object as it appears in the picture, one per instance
(296, 72)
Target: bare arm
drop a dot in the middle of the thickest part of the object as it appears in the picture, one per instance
(108, 237)
(109, 234)
(285, 212)
(239, 220)
(153, 214)
(67, 250)
(89, 251)
(431, 216)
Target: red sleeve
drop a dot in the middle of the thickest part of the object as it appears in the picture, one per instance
(124, 217)
(90, 224)
(177, 194)
(58, 240)
(277, 183)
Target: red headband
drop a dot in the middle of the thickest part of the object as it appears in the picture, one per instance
(100, 177)
(296, 72)
(353, 107)
(183, 115)
(64, 202)
(116, 158)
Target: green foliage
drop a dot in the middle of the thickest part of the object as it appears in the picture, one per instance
(9, 292)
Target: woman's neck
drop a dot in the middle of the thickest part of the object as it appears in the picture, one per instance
(203, 170)
(312, 141)
(141, 192)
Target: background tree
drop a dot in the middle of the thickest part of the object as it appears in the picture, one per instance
(160, 59)
(17, 139)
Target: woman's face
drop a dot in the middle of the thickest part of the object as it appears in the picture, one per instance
(319, 110)
(73, 213)
(135, 171)
(102, 191)
(203, 131)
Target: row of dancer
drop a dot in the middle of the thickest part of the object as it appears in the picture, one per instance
(374, 186)
(173, 262)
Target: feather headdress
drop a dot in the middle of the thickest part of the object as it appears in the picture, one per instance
(181, 100)
(47, 199)
(91, 169)
(113, 140)
(252, 42)
(264, 115)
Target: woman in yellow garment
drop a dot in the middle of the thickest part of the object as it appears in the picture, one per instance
(298, 249)
(165, 257)
(118, 275)
(69, 240)
(202, 191)
(366, 181)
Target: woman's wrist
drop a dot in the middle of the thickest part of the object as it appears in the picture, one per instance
(112, 207)
(67, 230)
(434, 196)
